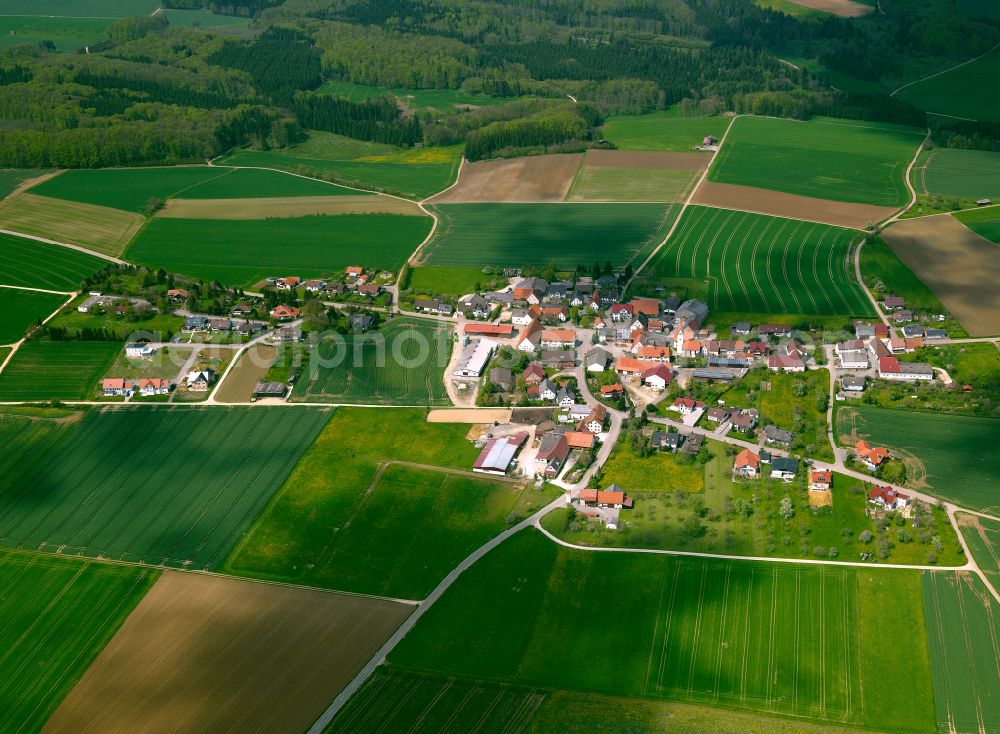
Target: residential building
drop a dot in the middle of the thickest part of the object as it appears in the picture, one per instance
(657, 377)
(784, 468)
(354, 271)
(552, 453)
(474, 305)
(719, 415)
(289, 334)
(314, 285)
(531, 337)
(558, 338)
(547, 390)
(502, 378)
(888, 499)
(773, 331)
(665, 441)
(199, 380)
(871, 457)
(745, 420)
(533, 374)
(284, 313)
(360, 322)
(594, 422)
(820, 479)
(195, 323)
(137, 350)
(774, 435)
(853, 383)
(747, 464)
(597, 360)
(116, 387)
(148, 386)
(612, 391)
(890, 368)
(855, 360)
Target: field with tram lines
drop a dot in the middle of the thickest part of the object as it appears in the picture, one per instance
(765, 264)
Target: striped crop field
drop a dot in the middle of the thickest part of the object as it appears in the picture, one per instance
(56, 370)
(170, 486)
(964, 633)
(757, 263)
(20, 308)
(769, 637)
(33, 264)
(58, 613)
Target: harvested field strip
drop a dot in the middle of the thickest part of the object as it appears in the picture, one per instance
(401, 364)
(181, 495)
(780, 204)
(99, 228)
(20, 309)
(964, 632)
(651, 160)
(34, 264)
(605, 184)
(841, 161)
(207, 653)
(398, 700)
(245, 252)
(765, 264)
(58, 613)
(775, 638)
(961, 268)
(936, 448)
(291, 206)
(47, 370)
(529, 179)
(253, 366)
(513, 235)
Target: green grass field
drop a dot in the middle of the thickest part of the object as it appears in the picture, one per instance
(963, 626)
(774, 638)
(956, 172)
(346, 520)
(48, 370)
(414, 173)
(841, 161)
(20, 309)
(28, 434)
(393, 700)
(984, 222)
(416, 99)
(765, 264)
(67, 34)
(514, 235)
(631, 184)
(936, 449)
(983, 538)
(244, 252)
(97, 228)
(665, 130)
(81, 8)
(170, 486)
(58, 614)
(400, 364)
(437, 281)
(11, 178)
(132, 188)
(203, 18)
(960, 92)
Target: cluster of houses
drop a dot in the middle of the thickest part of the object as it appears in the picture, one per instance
(674, 441)
(355, 280)
(144, 386)
(748, 465)
(98, 302)
(603, 505)
(874, 340)
(209, 324)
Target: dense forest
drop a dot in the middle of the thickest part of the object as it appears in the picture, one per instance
(150, 93)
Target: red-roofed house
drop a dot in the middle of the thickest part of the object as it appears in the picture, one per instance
(747, 464)
(686, 406)
(888, 498)
(657, 377)
(785, 363)
(630, 367)
(612, 390)
(621, 312)
(657, 354)
(479, 329)
(534, 373)
(152, 386)
(354, 271)
(558, 338)
(116, 386)
(871, 457)
(820, 479)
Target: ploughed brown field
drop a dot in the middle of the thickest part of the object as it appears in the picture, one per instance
(210, 654)
(779, 204)
(843, 8)
(647, 160)
(289, 206)
(253, 366)
(961, 267)
(541, 178)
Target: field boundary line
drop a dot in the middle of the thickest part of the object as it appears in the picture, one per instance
(951, 68)
(37, 290)
(17, 345)
(684, 206)
(79, 248)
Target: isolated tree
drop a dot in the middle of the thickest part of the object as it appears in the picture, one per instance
(865, 536)
(785, 508)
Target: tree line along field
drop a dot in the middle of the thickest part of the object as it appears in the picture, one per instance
(958, 172)
(842, 161)
(131, 189)
(765, 264)
(58, 613)
(413, 173)
(365, 511)
(400, 364)
(513, 235)
(963, 627)
(164, 486)
(56, 370)
(19, 309)
(935, 448)
(208, 653)
(33, 264)
(66, 34)
(962, 91)
(774, 638)
(243, 252)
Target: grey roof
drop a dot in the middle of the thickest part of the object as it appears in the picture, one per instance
(935, 334)
(708, 374)
(662, 439)
(781, 464)
(269, 388)
(598, 356)
(502, 376)
(361, 321)
(557, 355)
(853, 380)
(773, 433)
(912, 330)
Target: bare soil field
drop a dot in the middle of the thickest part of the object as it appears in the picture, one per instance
(962, 268)
(779, 204)
(211, 654)
(541, 178)
(469, 415)
(649, 160)
(843, 8)
(289, 206)
(98, 227)
(240, 382)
